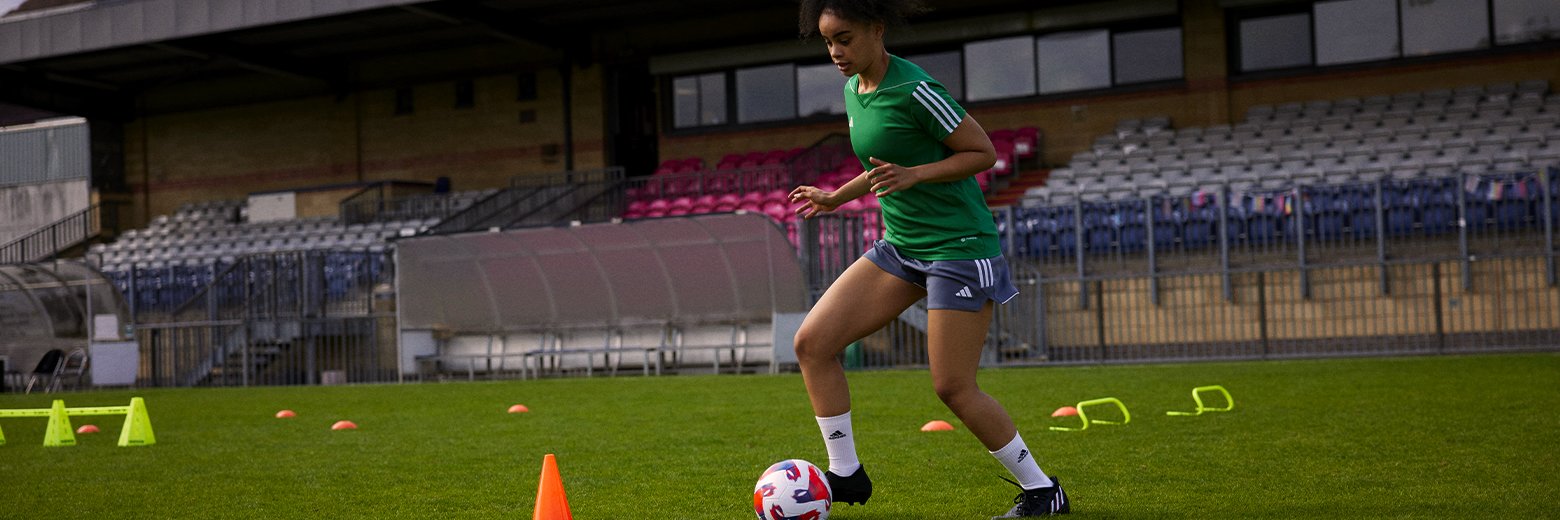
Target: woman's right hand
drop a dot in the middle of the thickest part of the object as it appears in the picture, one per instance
(814, 201)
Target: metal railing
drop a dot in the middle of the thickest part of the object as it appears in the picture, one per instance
(389, 200)
(49, 241)
(1452, 264)
(285, 285)
(268, 352)
(540, 200)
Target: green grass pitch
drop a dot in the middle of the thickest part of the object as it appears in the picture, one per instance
(1420, 437)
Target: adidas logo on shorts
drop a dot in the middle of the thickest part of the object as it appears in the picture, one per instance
(964, 293)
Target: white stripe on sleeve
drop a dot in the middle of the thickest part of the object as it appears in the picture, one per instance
(935, 114)
(939, 102)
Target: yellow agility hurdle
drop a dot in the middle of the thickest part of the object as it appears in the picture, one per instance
(137, 430)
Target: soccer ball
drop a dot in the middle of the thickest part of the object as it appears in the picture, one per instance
(792, 490)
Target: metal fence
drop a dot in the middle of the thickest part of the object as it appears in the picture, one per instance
(1451, 264)
(268, 352)
(593, 195)
(294, 284)
(53, 239)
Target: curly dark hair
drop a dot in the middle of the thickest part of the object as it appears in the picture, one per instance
(891, 13)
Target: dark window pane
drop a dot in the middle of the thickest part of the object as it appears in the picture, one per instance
(1275, 42)
(1350, 31)
(1148, 56)
(1518, 21)
(685, 102)
(820, 89)
(766, 93)
(998, 69)
(712, 99)
(945, 67)
(1074, 61)
(1437, 26)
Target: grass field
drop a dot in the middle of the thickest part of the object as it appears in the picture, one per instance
(1428, 437)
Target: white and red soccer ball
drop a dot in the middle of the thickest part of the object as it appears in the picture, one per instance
(792, 490)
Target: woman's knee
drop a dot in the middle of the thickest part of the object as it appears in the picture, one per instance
(810, 348)
(954, 391)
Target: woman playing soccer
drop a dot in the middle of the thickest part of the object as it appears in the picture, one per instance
(921, 153)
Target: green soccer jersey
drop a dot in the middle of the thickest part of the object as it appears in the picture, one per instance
(904, 122)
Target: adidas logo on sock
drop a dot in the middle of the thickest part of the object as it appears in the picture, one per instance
(1022, 454)
(965, 292)
(836, 435)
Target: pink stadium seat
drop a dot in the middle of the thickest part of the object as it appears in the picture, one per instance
(703, 204)
(1004, 165)
(1026, 142)
(679, 206)
(720, 181)
(727, 203)
(754, 197)
(774, 157)
(1003, 134)
(658, 208)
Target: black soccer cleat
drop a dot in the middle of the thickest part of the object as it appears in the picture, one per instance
(855, 489)
(1044, 501)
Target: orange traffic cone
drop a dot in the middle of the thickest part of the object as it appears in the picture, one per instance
(551, 503)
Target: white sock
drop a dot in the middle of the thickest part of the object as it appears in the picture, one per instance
(841, 443)
(1016, 457)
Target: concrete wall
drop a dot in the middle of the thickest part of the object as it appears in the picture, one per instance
(230, 152)
(27, 207)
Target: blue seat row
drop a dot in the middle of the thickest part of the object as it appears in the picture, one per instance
(1337, 212)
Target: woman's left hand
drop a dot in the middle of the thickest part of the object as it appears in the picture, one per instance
(888, 177)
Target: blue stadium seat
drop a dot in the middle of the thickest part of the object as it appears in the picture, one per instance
(1131, 226)
(1402, 207)
(1513, 201)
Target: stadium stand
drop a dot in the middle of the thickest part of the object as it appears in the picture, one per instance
(758, 181)
(1420, 153)
(176, 256)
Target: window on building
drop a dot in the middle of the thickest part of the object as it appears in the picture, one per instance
(1440, 26)
(819, 90)
(945, 67)
(1072, 61)
(699, 100)
(766, 93)
(1275, 42)
(997, 69)
(1352, 31)
(1519, 21)
(1144, 56)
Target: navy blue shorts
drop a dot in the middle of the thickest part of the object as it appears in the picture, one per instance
(962, 285)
